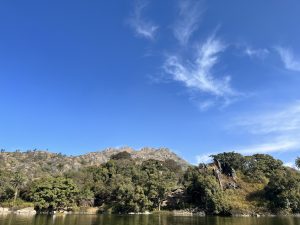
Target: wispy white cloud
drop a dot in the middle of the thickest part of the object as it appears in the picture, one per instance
(189, 17)
(142, 27)
(198, 73)
(290, 61)
(280, 128)
(275, 121)
(265, 148)
(279, 131)
(283, 144)
(275, 146)
(256, 52)
(204, 105)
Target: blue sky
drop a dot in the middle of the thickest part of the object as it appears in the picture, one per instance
(198, 77)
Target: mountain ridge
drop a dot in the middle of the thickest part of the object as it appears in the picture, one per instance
(40, 162)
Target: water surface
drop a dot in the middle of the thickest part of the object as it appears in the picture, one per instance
(10, 219)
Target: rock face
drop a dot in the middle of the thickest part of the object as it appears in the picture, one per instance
(97, 158)
(36, 163)
(225, 175)
(175, 198)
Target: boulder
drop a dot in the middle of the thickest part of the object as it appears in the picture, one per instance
(90, 210)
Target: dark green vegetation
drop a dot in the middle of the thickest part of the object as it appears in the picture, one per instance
(232, 184)
(298, 162)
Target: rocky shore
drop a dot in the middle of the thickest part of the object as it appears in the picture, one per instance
(28, 210)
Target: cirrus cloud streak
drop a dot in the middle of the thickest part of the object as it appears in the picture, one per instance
(142, 27)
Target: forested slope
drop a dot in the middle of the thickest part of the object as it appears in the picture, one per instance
(123, 181)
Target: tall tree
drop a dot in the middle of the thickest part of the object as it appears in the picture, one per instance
(17, 181)
(159, 181)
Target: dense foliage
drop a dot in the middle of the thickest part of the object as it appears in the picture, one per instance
(125, 186)
(205, 192)
(233, 183)
(53, 193)
(283, 191)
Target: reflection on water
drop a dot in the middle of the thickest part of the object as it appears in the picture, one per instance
(10, 219)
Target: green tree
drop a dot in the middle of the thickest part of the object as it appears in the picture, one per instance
(283, 191)
(53, 194)
(130, 198)
(159, 181)
(16, 182)
(6, 190)
(204, 192)
(85, 198)
(264, 163)
(232, 159)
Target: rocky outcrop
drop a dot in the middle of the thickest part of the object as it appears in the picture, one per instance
(162, 154)
(28, 210)
(189, 212)
(175, 199)
(225, 175)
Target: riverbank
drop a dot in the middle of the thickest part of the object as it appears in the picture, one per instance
(97, 211)
(27, 210)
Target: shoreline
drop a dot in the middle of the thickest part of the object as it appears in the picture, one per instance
(95, 211)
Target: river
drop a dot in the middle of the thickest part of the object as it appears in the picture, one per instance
(11, 219)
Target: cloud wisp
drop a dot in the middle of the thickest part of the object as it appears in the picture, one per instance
(256, 52)
(142, 27)
(198, 73)
(283, 144)
(195, 72)
(290, 61)
(282, 121)
(188, 21)
(279, 129)
(280, 144)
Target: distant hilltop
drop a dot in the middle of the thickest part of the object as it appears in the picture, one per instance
(37, 162)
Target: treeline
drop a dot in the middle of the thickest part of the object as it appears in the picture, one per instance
(231, 184)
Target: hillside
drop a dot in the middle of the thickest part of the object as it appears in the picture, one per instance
(36, 163)
(124, 180)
